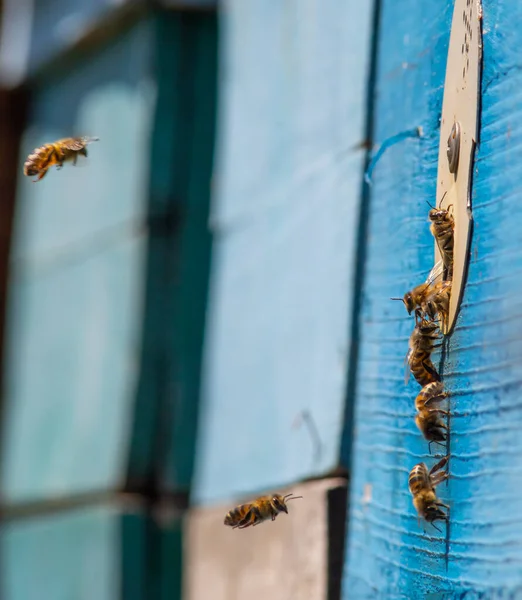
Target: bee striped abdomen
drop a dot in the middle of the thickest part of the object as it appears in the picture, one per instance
(431, 393)
(423, 369)
(38, 160)
(419, 478)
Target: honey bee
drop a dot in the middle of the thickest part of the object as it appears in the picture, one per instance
(44, 157)
(260, 510)
(421, 345)
(442, 227)
(436, 303)
(427, 420)
(418, 298)
(422, 485)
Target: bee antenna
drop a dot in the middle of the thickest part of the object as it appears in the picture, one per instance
(442, 198)
(396, 299)
(291, 498)
(430, 205)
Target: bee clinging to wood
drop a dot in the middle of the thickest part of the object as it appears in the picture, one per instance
(428, 420)
(417, 298)
(436, 303)
(418, 359)
(442, 227)
(48, 155)
(422, 485)
(253, 513)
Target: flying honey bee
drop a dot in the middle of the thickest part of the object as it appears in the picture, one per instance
(428, 420)
(422, 485)
(418, 358)
(260, 510)
(418, 298)
(44, 157)
(442, 227)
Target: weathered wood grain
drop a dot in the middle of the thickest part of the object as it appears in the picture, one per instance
(389, 555)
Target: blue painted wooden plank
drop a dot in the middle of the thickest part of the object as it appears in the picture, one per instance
(288, 181)
(72, 555)
(73, 337)
(389, 555)
(77, 554)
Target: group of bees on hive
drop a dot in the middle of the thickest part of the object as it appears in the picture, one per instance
(429, 302)
(56, 154)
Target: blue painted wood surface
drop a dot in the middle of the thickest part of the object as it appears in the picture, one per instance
(285, 220)
(75, 555)
(389, 555)
(76, 286)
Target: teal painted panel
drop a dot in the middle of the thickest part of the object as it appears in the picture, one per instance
(112, 96)
(167, 567)
(75, 303)
(286, 220)
(178, 252)
(72, 345)
(74, 555)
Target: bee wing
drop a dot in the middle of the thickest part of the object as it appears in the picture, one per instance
(435, 273)
(77, 144)
(407, 361)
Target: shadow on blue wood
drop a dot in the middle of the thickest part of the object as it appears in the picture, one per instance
(389, 555)
(292, 116)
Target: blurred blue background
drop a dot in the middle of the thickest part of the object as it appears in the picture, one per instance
(199, 312)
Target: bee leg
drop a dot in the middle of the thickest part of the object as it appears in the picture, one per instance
(247, 520)
(439, 530)
(41, 175)
(430, 443)
(438, 478)
(247, 523)
(438, 466)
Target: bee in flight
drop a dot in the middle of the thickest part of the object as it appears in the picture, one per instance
(431, 297)
(253, 513)
(442, 227)
(44, 157)
(428, 420)
(421, 345)
(422, 484)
